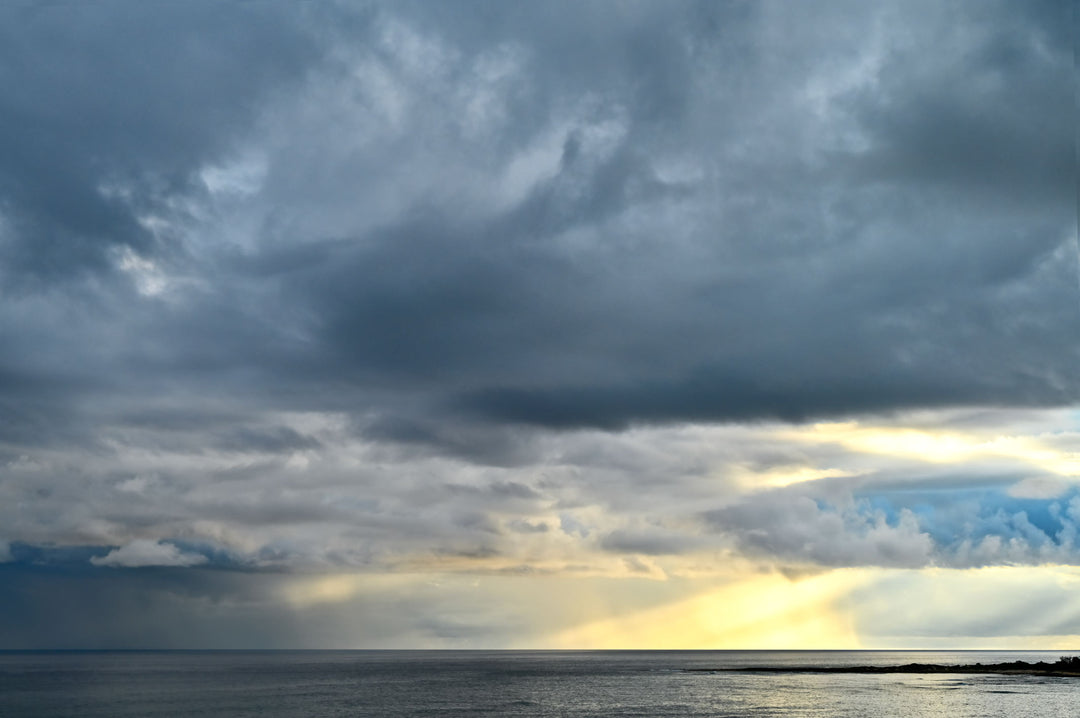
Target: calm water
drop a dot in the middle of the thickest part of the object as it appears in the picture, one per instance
(512, 683)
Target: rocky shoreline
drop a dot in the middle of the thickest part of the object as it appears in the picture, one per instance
(1066, 666)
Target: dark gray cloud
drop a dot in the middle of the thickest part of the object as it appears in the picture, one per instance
(649, 542)
(109, 110)
(369, 287)
(678, 220)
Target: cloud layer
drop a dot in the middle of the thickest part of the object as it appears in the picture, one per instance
(630, 290)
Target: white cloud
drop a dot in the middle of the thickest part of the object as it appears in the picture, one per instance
(1039, 487)
(148, 277)
(144, 552)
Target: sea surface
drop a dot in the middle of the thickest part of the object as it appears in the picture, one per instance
(514, 683)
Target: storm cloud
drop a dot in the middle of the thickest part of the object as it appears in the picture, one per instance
(542, 288)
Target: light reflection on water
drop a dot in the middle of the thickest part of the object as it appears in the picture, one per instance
(905, 695)
(629, 683)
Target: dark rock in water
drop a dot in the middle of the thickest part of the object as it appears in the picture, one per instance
(1064, 666)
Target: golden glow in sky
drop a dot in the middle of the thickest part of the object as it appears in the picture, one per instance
(761, 612)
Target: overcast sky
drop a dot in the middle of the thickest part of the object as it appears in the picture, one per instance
(343, 324)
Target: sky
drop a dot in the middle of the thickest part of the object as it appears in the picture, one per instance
(539, 325)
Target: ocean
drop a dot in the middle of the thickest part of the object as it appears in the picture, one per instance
(319, 684)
